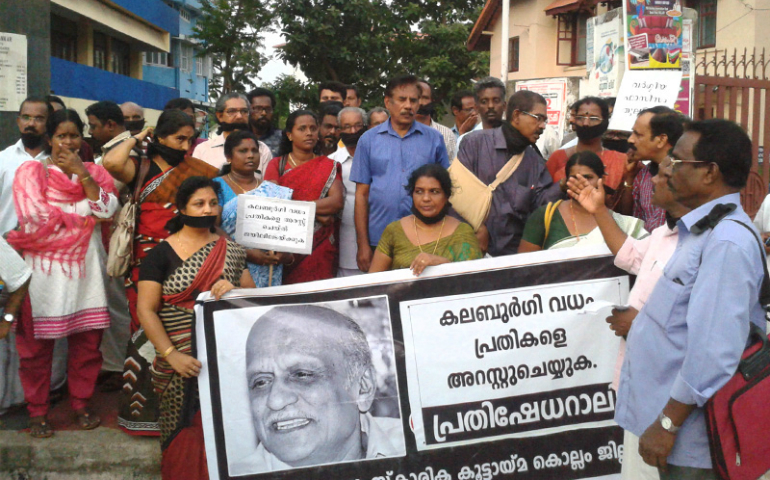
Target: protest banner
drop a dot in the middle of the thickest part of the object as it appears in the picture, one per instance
(653, 33)
(275, 224)
(643, 89)
(479, 370)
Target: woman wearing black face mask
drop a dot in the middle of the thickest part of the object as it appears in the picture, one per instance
(168, 168)
(591, 121)
(193, 259)
(428, 236)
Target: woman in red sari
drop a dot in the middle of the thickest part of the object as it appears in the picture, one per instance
(314, 179)
(167, 166)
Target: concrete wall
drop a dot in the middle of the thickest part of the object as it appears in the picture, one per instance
(31, 18)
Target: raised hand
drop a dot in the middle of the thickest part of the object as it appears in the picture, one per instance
(589, 197)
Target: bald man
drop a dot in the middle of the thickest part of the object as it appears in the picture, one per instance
(133, 115)
(311, 384)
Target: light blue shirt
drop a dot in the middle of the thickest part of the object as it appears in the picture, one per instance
(687, 341)
(384, 161)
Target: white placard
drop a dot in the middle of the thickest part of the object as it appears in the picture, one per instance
(275, 224)
(644, 89)
(13, 71)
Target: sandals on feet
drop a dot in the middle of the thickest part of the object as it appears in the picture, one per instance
(39, 428)
(86, 420)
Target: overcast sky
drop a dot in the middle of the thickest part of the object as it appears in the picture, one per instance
(275, 67)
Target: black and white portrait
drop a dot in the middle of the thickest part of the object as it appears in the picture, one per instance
(307, 385)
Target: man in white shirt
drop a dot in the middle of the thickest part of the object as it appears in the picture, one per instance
(33, 115)
(425, 114)
(232, 111)
(352, 126)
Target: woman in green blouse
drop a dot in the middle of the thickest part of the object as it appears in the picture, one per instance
(428, 236)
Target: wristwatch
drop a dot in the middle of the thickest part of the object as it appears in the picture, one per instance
(667, 424)
(9, 317)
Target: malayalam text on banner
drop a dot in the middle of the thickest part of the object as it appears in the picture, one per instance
(275, 224)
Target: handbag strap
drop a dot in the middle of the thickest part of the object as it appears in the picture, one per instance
(507, 170)
(764, 291)
(550, 210)
(144, 168)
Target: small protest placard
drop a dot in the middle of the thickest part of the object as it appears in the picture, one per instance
(275, 224)
(644, 89)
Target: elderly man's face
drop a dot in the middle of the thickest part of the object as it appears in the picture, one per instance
(305, 412)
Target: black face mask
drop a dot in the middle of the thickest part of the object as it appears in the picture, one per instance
(351, 139)
(134, 125)
(431, 220)
(616, 144)
(427, 110)
(32, 140)
(654, 167)
(207, 221)
(172, 156)
(589, 133)
(229, 127)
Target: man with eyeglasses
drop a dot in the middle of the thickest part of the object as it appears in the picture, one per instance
(33, 114)
(352, 126)
(591, 121)
(687, 340)
(262, 103)
(486, 152)
(232, 111)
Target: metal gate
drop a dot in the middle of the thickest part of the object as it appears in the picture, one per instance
(735, 87)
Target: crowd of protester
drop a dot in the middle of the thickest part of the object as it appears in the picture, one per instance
(382, 191)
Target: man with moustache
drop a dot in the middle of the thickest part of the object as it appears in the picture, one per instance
(697, 317)
(486, 152)
(310, 394)
(425, 115)
(107, 125)
(329, 128)
(490, 105)
(591, 121)
(654, 134)
(385, 157)
(352, 127)
(353, 98)
(646, 258)
(262, 103)
(133, 117)
(232, 111)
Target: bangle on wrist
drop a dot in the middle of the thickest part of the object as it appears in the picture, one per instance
(167, 352)
(292, 260)
(87, 177)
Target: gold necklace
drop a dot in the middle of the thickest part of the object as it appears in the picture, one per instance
(292, 162)
(181, 243)
(230, 176)
(419, 242)
(574, 223)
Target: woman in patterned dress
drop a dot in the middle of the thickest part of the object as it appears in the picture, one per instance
(238, 178)
(60, 202)
(193, 259)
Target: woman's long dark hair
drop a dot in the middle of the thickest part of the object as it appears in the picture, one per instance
(431, 170)
(285, 147)
(186, 190)
(232, 142)
(59, 117)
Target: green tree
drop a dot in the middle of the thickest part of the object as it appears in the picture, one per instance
(366, 42)
(231, 34)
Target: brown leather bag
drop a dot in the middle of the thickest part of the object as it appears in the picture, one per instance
(120, 258)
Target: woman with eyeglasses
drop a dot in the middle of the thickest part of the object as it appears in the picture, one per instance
(566, 223)
(313, 178)
(590, 122)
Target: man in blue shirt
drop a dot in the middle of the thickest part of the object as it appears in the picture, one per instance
(385, 157)
(686, 342)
